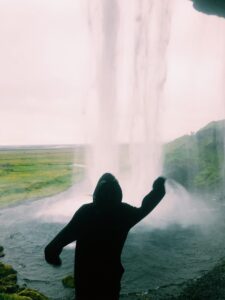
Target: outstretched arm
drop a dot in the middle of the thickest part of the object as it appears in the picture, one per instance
(150, 201)
(66, 236)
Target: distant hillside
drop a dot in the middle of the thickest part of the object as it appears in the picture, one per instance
(197, 160)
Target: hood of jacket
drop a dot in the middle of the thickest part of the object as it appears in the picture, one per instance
(108, 192)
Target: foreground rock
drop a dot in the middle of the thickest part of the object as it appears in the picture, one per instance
(210, 286)
(13, 297)
(68, 282)
(8, 279)
(32, 294)
(9, 289)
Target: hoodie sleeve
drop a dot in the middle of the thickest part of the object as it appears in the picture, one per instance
(150, 201)
(66, 236)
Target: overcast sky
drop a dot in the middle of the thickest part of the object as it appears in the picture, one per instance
(45, 71)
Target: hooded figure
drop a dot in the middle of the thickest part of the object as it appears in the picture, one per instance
(100, 230)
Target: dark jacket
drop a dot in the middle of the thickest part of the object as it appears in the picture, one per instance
(100, 230)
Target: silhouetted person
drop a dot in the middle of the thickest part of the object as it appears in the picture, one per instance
(100, 230)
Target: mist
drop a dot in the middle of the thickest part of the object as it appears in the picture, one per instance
(143, 88)
(120, 79)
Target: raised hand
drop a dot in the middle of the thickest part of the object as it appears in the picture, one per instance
(159, 183)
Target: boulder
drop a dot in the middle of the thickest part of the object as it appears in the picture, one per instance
(13, 297)
(32, 294)
(8, 284)
(6, 270)
(8, 279)
(68, 282)
(9, 290)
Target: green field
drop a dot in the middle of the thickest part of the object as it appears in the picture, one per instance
(37, 173)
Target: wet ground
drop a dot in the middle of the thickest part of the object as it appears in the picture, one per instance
(156, 260)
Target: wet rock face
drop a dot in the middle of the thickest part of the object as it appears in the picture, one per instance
(30, 293)
(210, 286)
(68, 282)
(9, 289)
(8, 279)
(13, 297)
(211, 7)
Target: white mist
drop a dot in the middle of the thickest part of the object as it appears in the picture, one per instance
(129, 43)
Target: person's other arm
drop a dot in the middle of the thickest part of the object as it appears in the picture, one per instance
(150, 201)
(66, 236)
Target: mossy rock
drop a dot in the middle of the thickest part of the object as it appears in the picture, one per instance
(32, 294)
(6, 270)
(8, 279)
(68, 282)
(9, 288)
(13, 297)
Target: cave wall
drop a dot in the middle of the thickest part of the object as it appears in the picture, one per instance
(211, 7)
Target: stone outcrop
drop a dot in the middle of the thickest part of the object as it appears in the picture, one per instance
(68, 282)
(32, 294)
(10, 290)
(8, 279)
(210, 286)
(211, 7)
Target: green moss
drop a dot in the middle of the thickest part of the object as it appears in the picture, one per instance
(68, 282)
(9, 290)
(12, 278)
(13, 297)
(36, 173)
(8, 284)
(8, 279)
(196, 161)
(6, 270)
(33, 294)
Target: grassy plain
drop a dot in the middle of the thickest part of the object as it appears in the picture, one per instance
(36, 173)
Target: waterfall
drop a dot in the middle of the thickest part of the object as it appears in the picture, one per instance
(140, 72)
(103, 25)
(129, 44)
